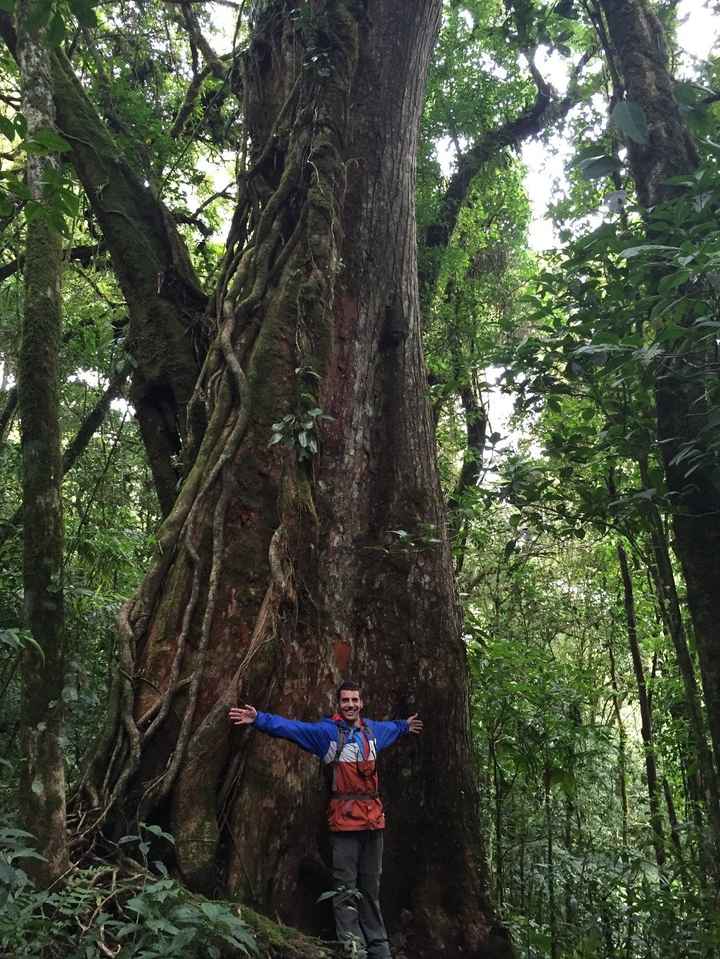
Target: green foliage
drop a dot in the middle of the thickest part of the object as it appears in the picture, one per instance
(542, 612)
(300, 432)
(630, 119)
(95, 913)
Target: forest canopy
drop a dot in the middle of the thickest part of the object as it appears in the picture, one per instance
(291, 392)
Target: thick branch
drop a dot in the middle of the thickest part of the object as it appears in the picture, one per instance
(545, 110)
(165, 302)
(92, 422)
(83, 254)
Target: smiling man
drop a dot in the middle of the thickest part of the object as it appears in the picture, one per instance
(349, 745)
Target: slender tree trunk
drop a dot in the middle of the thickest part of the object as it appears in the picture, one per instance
(622, 783)
(673, 820)
(280, 567)
(8, 412)
(684, 377)
(666, 591)
(622, 753)
(499, 838)
(550, 847)
(646, 728)
(476, 421)
(42, 780)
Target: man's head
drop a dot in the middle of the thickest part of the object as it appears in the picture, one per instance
(350, 702)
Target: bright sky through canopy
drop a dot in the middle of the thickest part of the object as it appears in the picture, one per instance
(698, 32)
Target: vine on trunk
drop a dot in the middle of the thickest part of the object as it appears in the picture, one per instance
(285, 225)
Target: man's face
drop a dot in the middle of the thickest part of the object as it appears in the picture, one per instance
(350, 704)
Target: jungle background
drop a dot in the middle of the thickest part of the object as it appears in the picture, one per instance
(572, 382)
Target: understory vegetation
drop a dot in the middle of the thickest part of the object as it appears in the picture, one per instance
(576, 403)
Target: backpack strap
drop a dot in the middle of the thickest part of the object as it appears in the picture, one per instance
(341, 740)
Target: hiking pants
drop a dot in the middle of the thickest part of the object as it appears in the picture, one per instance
(357, 865)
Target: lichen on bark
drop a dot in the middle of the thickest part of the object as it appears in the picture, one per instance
(42, 781)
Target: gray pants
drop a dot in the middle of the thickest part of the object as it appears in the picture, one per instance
(357, 865)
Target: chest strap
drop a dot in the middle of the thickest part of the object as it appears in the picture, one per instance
(374, 795)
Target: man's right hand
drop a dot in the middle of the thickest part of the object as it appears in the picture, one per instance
(240, 715)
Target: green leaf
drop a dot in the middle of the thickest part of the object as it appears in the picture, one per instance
(47, 141)
(632, 251)
(7, 5)
(673, 280)
(7, 127)
(56, 30)
(26, 853)
(83, 10)
(139, 905)
(326, 895)
(592, 168)
(629, 117)
(40, 14)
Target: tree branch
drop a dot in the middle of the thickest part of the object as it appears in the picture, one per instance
(545, 110)
(81, 254)
(92, 422)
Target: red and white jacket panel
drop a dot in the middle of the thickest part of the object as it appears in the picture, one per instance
(355, 803)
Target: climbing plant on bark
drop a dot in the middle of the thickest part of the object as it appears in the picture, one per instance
(308, 539)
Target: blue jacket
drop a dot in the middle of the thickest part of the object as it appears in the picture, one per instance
(355, 772)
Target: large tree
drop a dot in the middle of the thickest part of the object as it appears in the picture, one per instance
(308, 540)
(686, 378)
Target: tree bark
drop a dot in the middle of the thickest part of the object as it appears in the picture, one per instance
(42, 778)
(682, 396)
(622, 753)
(281, 567)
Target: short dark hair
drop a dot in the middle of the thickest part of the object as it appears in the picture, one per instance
(350, 686)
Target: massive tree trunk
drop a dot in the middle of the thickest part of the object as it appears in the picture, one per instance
(42, 780)
(283, 567)
(686, 388)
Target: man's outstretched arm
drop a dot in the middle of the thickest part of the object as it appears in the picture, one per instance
(313, 737)
(386, 732)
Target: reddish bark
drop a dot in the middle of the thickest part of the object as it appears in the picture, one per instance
(278, 573)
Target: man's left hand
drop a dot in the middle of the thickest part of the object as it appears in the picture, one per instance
(415, 724)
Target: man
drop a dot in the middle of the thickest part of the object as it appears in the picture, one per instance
(348, 744)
